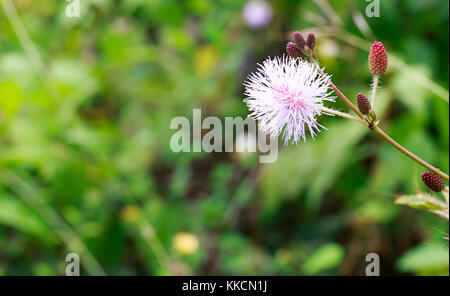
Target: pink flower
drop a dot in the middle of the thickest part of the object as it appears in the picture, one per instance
(286, 96)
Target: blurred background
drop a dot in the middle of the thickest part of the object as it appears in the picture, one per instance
(86, 165)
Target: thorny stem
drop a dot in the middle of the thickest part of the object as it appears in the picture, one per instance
(374, 91)
(374, 126)
(408, 153)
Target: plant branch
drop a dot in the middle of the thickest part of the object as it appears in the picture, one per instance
(411, 155)
(341, 95)
(379, 131)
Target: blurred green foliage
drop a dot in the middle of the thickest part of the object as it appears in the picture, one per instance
(86, 166)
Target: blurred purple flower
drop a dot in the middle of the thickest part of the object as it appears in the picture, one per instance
(257, 13)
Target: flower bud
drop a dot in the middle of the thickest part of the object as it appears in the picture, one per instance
(293, 51)
(433, 181)
(311, 41)
(378, 59)
(363, 103)
(299, 40)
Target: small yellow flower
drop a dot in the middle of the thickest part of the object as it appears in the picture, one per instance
(185, 243)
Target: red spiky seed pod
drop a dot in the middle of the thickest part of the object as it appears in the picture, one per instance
(363, 103)
(311, 41)
(378, 59)
(299, 40)
(433, 181)
(293, 51)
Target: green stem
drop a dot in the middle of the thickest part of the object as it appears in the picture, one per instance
(411, 155)
(28, 46)
(53, 219)
(342, 114)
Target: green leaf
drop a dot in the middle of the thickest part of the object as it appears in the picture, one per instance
(425, 259)
(18, 216)
(422, 201)
(326, 257)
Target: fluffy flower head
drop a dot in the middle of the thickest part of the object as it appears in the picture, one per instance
(286, 96)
